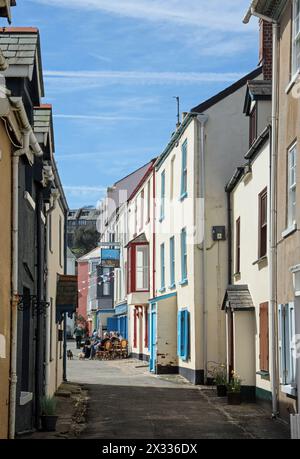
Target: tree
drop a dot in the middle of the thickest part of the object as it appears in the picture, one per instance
(86, 238)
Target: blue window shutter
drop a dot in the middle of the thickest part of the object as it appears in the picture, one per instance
(183, 169)
(172, 267)
(163, 192)
(186, 343)
(183, 255)
(281, 327)
(179, 333)
(162, 265)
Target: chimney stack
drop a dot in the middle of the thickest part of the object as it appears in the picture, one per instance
(266, 48)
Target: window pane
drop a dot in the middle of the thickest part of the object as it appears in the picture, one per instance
(142, 268)
(106, 281)
(292, 185)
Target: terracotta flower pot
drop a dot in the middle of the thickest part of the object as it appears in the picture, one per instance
(49, 423)
(234, 398)
(221, 390)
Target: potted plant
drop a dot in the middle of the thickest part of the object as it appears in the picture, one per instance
(234, 390)
(48, 417)
(220, 380)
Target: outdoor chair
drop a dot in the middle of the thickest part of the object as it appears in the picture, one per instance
(108, 350)
(124, 348)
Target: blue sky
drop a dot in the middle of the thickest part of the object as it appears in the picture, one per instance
(112, 68)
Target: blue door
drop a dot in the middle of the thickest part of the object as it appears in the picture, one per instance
(153, 345)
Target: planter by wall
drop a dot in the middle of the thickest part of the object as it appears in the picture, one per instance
(234, 398)
(221, 390)
(49, 423)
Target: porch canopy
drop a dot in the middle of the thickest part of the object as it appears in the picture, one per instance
(238, 298)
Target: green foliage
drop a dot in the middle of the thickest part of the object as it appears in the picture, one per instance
(220, 375)
(86, 238)
(235, 383)
(48, 406)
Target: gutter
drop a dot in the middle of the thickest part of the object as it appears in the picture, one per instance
(187, 120)
(202, 119)
(273, 206)
(18, 105)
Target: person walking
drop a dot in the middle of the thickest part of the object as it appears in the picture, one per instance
(78, 332)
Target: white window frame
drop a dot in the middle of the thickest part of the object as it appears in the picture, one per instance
(296, 37)
(292, 185)
(143, 268)
(286, 343)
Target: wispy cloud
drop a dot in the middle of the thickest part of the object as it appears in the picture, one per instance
(100, 58)
(104, 118)
(84, 191)
(101, 78)
(105, 154)
(215, 14)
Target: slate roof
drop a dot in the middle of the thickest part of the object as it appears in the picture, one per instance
(269, 8)
(141, 239)
(257, 90)
(42, 122)
(227, 92)
(260, 88)
(238, 298)
(21, 48)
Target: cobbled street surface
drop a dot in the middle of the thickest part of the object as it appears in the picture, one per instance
(128, 402)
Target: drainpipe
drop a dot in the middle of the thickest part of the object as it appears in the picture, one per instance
(48, 322)
(202, 119)
(15, 280)
(154, 238)
(229, 236)
(65, 315)
(273, 208)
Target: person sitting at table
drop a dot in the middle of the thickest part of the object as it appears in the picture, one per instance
(87, 349)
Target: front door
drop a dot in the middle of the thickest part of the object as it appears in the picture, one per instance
(153, 344)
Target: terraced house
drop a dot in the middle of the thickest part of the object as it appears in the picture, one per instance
(191, 228)
(32, 186)
(284, 217)
(6, 147)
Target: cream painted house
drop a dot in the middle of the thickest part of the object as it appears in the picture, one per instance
(285, 197)
(247, 298)
(187, 324)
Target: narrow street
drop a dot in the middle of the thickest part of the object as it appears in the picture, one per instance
(127, 402)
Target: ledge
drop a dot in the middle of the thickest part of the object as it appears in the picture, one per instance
(260, 260)
(292, 83)
(30, 201)
(287, 232)
(264, 375)
(162, 290)
(171, 287)
(183, 196)
(25, 398)
(184, 282)
(289, 390)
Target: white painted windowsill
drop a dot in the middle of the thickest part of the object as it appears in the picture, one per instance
(292, 82)
(289, 230)
(25, 398)
(28, 198)
(289, 390)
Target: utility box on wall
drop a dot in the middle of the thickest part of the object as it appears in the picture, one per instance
(219, 233)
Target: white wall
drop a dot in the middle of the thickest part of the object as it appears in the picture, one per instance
(245, 205)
